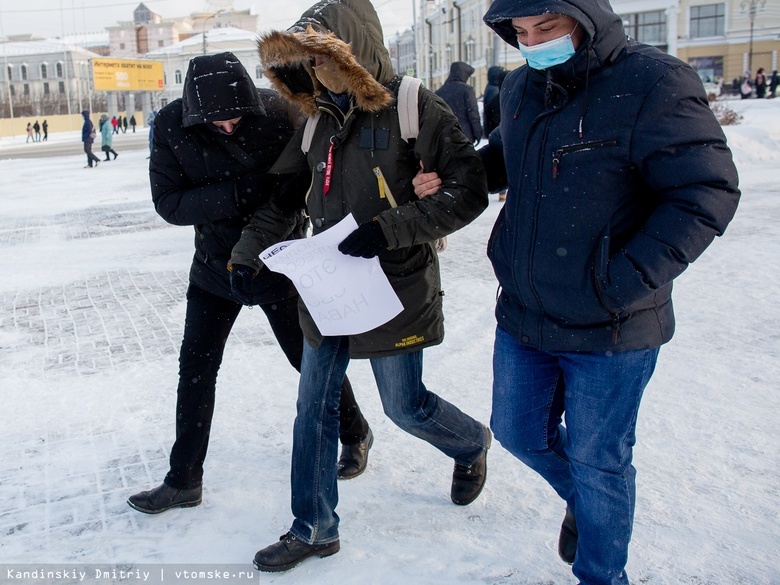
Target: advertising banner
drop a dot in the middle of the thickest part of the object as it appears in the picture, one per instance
(127, 75)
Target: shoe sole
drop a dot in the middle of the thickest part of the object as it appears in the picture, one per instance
(360, 471)
(191, 504)
(279, 568)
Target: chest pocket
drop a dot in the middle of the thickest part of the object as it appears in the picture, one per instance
(374, 138)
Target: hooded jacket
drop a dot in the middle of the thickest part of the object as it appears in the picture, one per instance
(197, 180)
(86, 128)
(618, 177)
(365, 137)
(462, 100)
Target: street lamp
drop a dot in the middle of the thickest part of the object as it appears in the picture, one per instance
(752, 7)
(204, 28)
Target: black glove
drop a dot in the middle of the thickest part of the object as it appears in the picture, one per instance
(290, 193)
(241, 278)
(366, 241)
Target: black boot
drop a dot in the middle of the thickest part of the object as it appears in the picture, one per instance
(163, 498)
(567, 540)
(468, 480)
(290, 551)
(354, 458)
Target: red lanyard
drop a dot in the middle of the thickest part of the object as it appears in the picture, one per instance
(328, 170)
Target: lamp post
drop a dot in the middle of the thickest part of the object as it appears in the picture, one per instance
(752, 8)
(6, 72)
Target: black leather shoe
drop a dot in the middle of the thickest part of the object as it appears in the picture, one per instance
(163, 498)
(290, 551)
(354, 458)
(468, 480)
(567, 540)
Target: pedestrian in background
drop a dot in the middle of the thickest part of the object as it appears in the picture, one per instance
(30, 133)
(760, 83)
(124, 125)
(107, 137)
(37, 130)
(132, 122)
(45, 128)
(492, 113)
(462, 100)
(774, 81)
(491, 91)
(88, 136)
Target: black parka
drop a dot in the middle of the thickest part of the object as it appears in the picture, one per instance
(461, 99)
(196, 180)
(618, 177)
(366, 137)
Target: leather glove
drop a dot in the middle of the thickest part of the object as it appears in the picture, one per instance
(241, 278)
(366, 241)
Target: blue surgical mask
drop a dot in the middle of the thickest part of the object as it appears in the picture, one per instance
(549, 54)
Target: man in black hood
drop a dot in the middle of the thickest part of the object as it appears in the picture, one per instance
(462, 100)
(618, 178)
(210, 156)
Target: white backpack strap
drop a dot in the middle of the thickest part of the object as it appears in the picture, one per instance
(408, 115)
(308, 132)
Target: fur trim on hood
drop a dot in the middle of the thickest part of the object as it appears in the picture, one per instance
(345, 31)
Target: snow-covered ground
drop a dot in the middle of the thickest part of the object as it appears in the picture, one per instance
(91, 317)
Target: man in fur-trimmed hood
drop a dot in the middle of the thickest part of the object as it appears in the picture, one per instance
(334, 65)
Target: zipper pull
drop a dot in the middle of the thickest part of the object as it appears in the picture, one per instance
(615, 328)
(555, 162)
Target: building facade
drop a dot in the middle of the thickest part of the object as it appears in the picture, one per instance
(721, 40)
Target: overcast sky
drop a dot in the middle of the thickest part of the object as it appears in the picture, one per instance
(53, 17)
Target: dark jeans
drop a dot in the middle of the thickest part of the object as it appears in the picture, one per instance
(587, 461)
(207, 325)
(90, 156)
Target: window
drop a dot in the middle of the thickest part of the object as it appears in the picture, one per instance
(121, 46)
(160, 43)
(708, 20)
(10, 72)
(24, 72)
(13, 91)
(177, 76)
(44, 71)
(258, 72)
(26, 89)
(646, 27)
(708, 68)
(46, 88)
(59, 70)
(61, 87)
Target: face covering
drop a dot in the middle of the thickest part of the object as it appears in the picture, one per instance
(330, 76)
(549, 54)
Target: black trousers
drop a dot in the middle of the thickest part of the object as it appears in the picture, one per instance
(208, 322)
(90, 156)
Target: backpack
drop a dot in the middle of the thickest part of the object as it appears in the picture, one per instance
(408, 119)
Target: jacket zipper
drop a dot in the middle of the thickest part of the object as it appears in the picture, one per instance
(559, 153)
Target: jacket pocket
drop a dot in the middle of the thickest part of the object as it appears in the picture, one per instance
(559, 154)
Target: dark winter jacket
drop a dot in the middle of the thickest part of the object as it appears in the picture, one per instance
(492, 107)
(462, 100)
(86, 129)
(618, 177)
(491, 90)
(197, 180)
(366, 137)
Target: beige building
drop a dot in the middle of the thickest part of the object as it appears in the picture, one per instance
(721, 40)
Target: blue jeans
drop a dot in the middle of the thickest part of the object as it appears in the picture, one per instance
(588, 461)
(406, 402)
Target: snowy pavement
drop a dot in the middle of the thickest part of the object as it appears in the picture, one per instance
(91, 317)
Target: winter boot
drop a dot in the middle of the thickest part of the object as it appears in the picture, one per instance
(165, 497)
(567, 540)
(354, 458)
(468, 480)
(290, 551)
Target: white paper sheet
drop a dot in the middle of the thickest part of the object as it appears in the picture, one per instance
(345, 295)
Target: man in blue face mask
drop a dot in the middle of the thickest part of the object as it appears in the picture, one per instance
(618, 177)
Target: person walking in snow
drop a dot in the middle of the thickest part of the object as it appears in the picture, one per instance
(37, 130)
(88, 135)
(209, 168)
(30, 133)
(462, 100)
(333, 62)
(45, 128)
(107, 138)
(132, 122)
(611, 195)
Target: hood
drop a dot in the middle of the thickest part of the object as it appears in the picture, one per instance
(604, 28)
(493, 74)
(217, 87)
(460, 71)
(349, 32)
(103, 117)
(85, 114)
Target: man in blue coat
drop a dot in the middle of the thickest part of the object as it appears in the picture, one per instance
(618, 177)
(87, 138)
